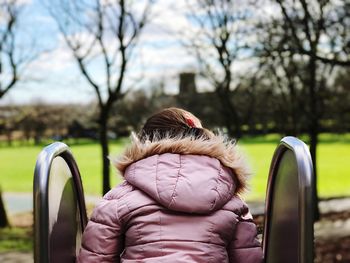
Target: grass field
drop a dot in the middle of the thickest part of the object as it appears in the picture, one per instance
(333, 164)
(16, 239)
(17, 164)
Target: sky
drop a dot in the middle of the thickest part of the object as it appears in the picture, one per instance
(54, 77)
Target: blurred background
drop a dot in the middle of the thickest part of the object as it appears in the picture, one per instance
(89, 72)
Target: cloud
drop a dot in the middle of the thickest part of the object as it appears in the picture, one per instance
(51, 62)
(159, 56)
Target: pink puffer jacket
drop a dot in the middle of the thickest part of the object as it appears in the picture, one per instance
(173, 207)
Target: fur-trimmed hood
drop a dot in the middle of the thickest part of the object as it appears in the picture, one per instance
(218, 147)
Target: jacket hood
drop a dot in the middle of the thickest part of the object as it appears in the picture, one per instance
(185, 174)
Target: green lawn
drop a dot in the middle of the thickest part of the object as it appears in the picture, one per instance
(16, 239)
(17, 164)
(333, 163)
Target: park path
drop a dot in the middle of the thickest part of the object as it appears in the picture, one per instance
(23, 202)
(16, 257)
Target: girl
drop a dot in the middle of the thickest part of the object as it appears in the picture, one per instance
(179, 201)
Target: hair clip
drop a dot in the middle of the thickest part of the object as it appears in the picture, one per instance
(190, 122)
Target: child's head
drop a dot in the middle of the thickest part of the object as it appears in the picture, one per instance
(173, 123)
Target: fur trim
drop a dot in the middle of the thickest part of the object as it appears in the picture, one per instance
(217, 147)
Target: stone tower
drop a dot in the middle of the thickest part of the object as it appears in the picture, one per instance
(187, 84)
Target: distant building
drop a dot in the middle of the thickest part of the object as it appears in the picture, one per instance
(187, 84)
(205, 105)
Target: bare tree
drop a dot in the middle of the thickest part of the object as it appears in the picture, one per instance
(9, 12)
(102, 35)
(12, 58)
(285, 74)
(314, 33)
(218, 37)
(324, 34)
(10, 62)
(3, 216)
(338, 101)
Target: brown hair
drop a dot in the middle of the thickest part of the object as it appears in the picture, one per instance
(173, 123)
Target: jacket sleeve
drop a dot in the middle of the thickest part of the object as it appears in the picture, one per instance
(102, 239)
(245, 246)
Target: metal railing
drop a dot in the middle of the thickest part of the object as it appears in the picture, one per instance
(60, 213)
(59, 205)
(288, 230)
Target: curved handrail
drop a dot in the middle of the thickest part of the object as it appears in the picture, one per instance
(305, 180)
(40, 195)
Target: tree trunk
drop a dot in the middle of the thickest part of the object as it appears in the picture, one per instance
(3, 216)
(9, 138)
(103, 138)
(313, 149)
(294, 111)
(230, 115)
(313, 128)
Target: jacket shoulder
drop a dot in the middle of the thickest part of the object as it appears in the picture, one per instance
(237, 206)
(125, 199)
(119, 191)
(108, 211)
